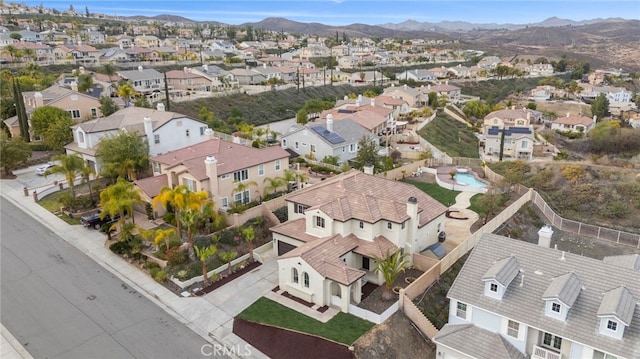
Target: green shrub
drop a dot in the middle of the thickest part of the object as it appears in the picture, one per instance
(228, 236)
(149, 209)
(153, 271)
(282, 213)
(160, 276)
(170, 218)
(120, 248)
(176, 257)
(39, 146)
(150, 265)
(182, 274)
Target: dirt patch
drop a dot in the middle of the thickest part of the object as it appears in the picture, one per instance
(395, 338)
(374, 301)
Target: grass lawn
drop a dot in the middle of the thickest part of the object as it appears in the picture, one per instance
(343, 328)
(442, 195)
(452, 137)
(52, 204)
(474, 204)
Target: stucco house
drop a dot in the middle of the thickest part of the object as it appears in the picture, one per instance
(406, 93)
(163, 130)
(574, 123)
(519, 136)
(145, 81)
(513, 299)
(216, 166)
(187, 80)
(337, 227)
(442, 89)
(326, 138)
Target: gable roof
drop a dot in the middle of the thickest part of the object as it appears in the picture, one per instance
(503, 271)
(131, 119)
(344, 131)
(355, 195)
(525, 304)
(230, 157)
(620, 303)
(565, 288)
(476, 342)
(574, 120)
(151, 186)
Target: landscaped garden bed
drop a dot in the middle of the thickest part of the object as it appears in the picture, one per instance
(375, 302)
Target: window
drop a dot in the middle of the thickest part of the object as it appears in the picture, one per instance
(552, 341)
(611, 325)
(297, 145)
(156, 167)
(202, 131)
(461, 311)
(389, 225)
(524, 144)
(278, 165)
(313, 148)
(241, 175)
(156, 139)
(225, 176)
(513, 328)
(600, 355)
(237, 197)
(361, 225)
(352, 147)
(294, 275)
(493, 287)
(319, 222)
(305, 279)
(225, 202)
(94, 112)
(555, 307)
(298, 208)
(366, 263)
(344, 149)
(80, 137)
(304, 144)
(189, 183)
(403, 225)
(186, 132)
(261, 170)
(75, 114)
(284, 143)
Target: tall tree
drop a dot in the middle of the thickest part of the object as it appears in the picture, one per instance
(203, 255)
(71, 166)
(126, 92)
(367, 153)
(248, 234)
(23, 120)
(107, 106)
(13, 151)
(123, 155)
(119, 199)
(53, 124)
(600, 106)
(167, 103)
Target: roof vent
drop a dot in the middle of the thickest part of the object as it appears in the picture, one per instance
(412, 200)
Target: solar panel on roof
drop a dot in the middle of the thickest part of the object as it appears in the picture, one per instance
(332, 137)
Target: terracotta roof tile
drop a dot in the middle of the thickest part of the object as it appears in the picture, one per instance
(151, 186)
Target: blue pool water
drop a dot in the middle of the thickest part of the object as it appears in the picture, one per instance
(468, 180)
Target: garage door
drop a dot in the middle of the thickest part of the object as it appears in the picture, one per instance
(284, 248)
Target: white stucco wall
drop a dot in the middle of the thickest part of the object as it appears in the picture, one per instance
(316, 282)
(173, 135)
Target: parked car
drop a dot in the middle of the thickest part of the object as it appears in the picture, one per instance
(40, 171)
(94, 221)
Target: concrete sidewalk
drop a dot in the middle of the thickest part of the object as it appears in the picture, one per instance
(210, 316)
(10, 347)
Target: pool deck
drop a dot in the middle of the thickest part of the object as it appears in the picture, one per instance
(444, 175)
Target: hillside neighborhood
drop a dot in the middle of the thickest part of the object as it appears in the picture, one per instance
(420, 191)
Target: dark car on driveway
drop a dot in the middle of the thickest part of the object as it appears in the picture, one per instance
(94, 221)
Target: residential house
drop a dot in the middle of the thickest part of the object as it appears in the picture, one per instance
(313, 51)
(76, 54)
(615, 95)
(43, 54)
(269, 72)
(148, 82)
(216, 166)
(115, 55)
(405, 93)
(225, 46)
(326, 138)
(30, 36)
(513, 299)
(442, 89)
(574, 123)
(337, 228)
(541, 93)
(539, 70)
(81, 106)
(124, 41)
(419, 75)
(519, 136)
(398, 105)
(93, 37)
(163, 130)
(248, 77)
(147, 41)
(187, 80)
(374, 117)
(597, 77)
(219, 77)
(489, 62)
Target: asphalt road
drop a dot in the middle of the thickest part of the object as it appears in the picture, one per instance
(60, 304)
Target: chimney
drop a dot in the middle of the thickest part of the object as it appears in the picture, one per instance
(359, 101)
(209, 133)
(205, 67)
(74, 86)
(160, 106)
(39, 100)
(185, 69)
(412, 212)
(211, 169)
(330, 122)
(528, 115)
(264, 66)
(595, 118)
(429, 87)
(140, 68)
(544, 236)
(368, 169)
(373, 102)
(568, 114)
(148, 131)
(81, 70)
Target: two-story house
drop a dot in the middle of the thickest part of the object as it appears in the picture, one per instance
(405, 93)
(321, 139)
(442, 89)
(513, 299)
(337, 228)
(144, 81)
(216, 166)
(187, 80)
(163, 130)
(518, 139)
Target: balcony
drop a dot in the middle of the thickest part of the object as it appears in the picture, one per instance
(542, 353)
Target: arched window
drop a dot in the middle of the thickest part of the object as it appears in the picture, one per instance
(294, 275)
(305, 279)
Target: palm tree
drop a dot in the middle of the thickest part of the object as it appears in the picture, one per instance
(204, 254)
(391, 266)
(190, 219)
(86, 172)
(109, 70)
(164, 235)
(248, 234)
(29, 54)
(127, 93)
(12, 51)
(274, 184)
(242, 186)
(71, 165)
(227, 257)
(118, 199)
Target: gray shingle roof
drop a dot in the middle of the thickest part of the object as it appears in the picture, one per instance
(565, 288)
(620, 303)
(525, 304)
(503, 271)
(477, 342)
(631, 261)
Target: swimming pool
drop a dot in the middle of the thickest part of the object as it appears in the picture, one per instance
(466, 179)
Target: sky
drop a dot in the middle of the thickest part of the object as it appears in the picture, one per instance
(371, 12)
